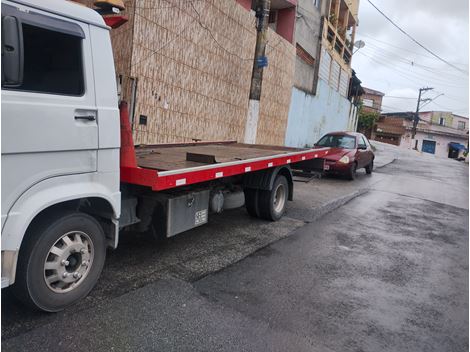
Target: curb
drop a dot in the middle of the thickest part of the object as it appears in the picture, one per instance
(334, 204)
(385, 164)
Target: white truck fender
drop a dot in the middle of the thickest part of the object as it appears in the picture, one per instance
(53, 191)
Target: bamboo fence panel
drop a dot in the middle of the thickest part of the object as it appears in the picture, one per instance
(278, 79)
(192, 61)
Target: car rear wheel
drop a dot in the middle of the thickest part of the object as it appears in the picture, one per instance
(370, 167)
(352, 172)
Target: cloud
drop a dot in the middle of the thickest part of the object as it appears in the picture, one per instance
(394, 64)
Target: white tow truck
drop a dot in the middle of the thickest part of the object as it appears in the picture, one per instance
(72, 178)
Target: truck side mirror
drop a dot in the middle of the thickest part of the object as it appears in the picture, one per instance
(12, 52)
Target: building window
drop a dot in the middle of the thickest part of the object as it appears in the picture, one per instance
(461, 125)
(368, 102)
(442, 121)
(304, 55)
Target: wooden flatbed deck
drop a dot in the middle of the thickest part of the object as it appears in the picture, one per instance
(166, 166)
(171, 157)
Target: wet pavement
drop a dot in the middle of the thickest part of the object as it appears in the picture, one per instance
(387, 271)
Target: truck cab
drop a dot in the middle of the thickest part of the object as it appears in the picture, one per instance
(60, 150)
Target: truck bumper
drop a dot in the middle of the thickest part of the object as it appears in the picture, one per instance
(9, 259)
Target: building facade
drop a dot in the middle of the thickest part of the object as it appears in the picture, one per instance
(438, 132)
(321, 99)
(372, 100)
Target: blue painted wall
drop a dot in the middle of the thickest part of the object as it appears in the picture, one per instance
(311, 116)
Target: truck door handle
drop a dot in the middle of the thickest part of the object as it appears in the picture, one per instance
(86, 117)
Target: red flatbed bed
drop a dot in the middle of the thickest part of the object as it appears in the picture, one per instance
(166, 166)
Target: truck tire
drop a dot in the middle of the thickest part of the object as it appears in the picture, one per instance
(156, 236)
(251, 201)
(272, 204)
(60, 262)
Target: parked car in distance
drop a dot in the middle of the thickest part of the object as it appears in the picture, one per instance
(349, 152)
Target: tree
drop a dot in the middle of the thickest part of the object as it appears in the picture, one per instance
(366, 121)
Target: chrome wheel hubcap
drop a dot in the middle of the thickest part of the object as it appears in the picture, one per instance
(279, 198)
(68, 262)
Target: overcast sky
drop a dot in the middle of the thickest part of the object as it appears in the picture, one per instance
(391, 63)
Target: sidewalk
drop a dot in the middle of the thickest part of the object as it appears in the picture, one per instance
(318, 197)
(384, 153)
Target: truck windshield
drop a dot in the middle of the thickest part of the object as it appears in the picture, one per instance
(337, 141)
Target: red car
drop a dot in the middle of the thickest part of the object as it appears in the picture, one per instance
(350, 151)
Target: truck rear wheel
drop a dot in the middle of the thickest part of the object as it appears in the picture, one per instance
(60, 262)
(272, 204)
(251, 201)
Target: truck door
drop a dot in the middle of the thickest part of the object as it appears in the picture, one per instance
(49, 119)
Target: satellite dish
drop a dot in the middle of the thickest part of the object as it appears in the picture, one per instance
(359, 44)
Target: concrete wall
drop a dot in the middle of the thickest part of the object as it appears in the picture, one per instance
(442, 142)
(310, 117)
(307, 32)
(307, 27)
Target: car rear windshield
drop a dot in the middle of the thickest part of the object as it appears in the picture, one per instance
(337, 141)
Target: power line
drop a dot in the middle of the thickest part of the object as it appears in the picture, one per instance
(203, 26)
(447, 109)
(164, 45)
(403, 49)
(414, 40)
(414, 63)
(391, 61)
(391, 96)
(406, 75)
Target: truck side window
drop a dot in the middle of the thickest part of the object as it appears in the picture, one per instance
(52, 62)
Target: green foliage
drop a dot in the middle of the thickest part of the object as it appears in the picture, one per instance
(366, 119)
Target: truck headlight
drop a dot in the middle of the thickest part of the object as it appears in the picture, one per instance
(344, 160)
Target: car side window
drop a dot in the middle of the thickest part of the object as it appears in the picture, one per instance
(362, 142)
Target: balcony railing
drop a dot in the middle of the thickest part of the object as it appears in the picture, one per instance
(341, 46)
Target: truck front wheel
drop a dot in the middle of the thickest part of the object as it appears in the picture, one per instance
(60, 262)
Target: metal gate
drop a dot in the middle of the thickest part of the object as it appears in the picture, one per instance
(429, 147)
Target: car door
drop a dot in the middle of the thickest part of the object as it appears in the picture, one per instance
(362, 152)
(49, 121)
(369, 154)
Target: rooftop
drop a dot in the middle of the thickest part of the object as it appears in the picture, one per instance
(446, 112)
(372, 92)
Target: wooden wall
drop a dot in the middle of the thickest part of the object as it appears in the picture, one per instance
(278, 79)
(193, 62)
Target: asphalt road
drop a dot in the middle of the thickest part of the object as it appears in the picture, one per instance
(387, 271)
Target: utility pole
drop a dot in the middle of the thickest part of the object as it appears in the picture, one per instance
(416, 117)
(260, 61)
